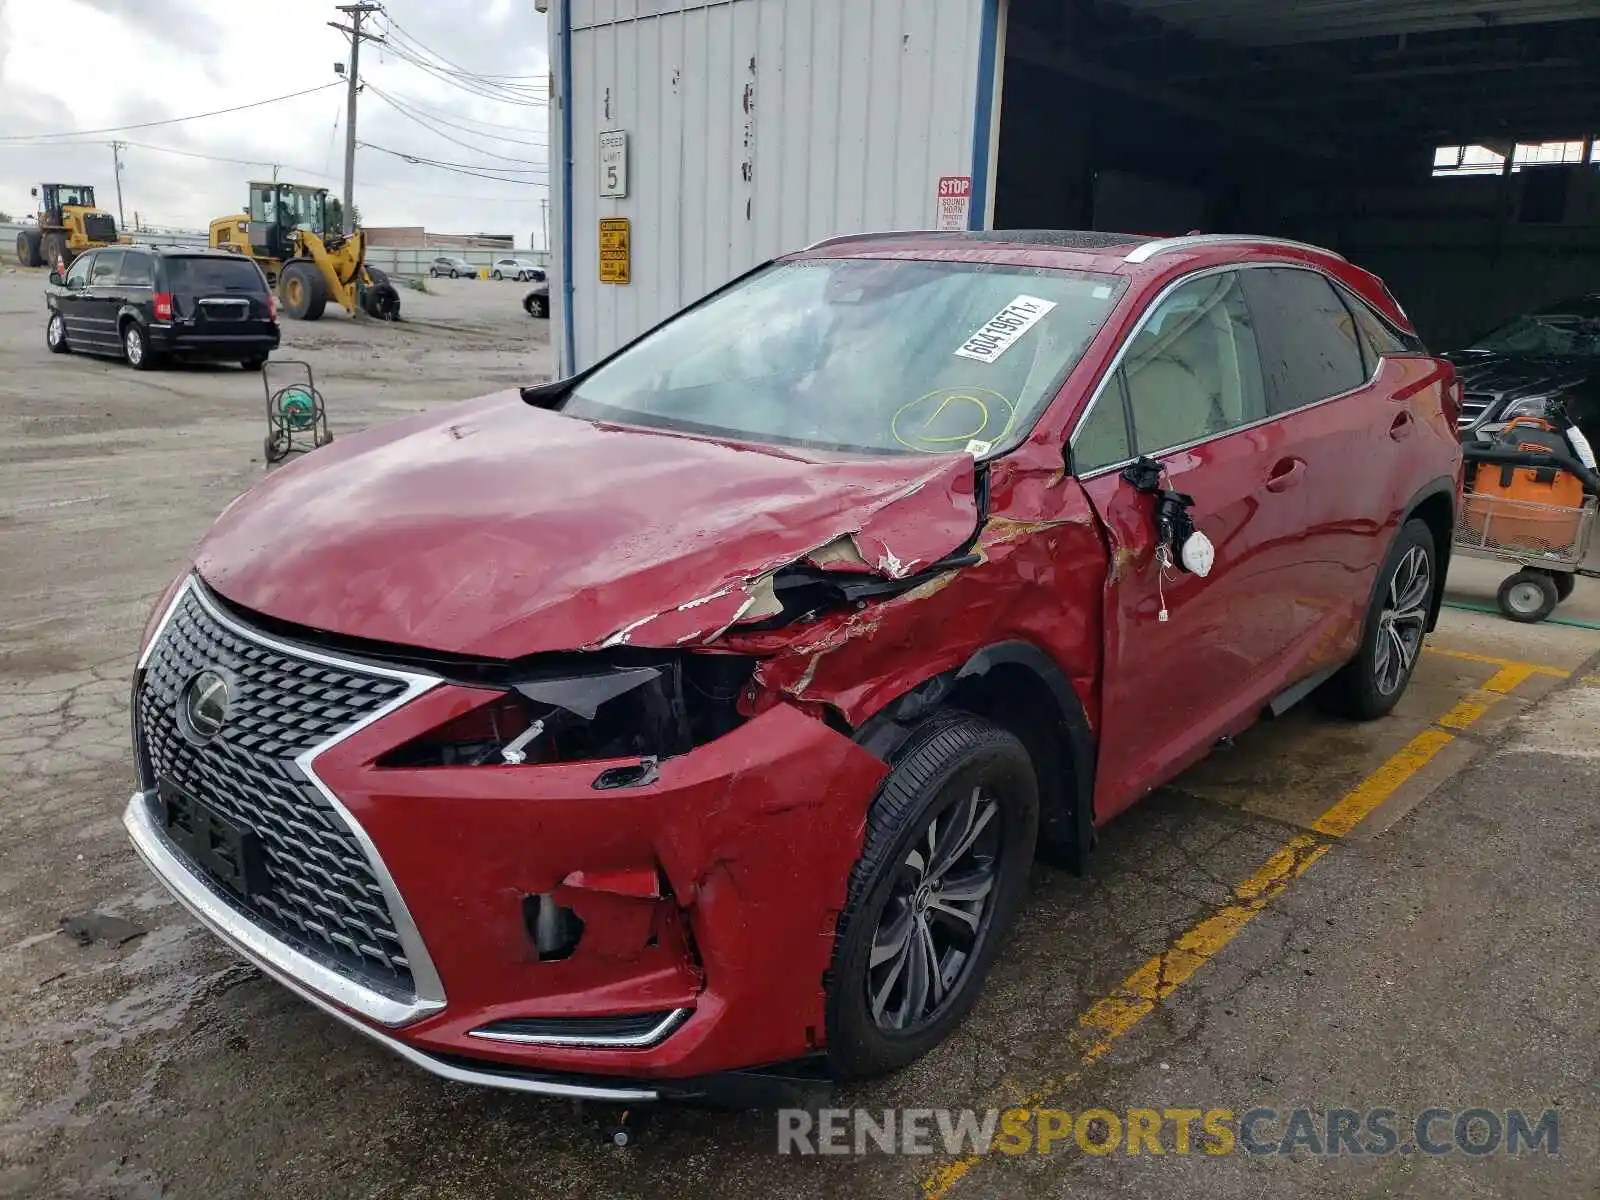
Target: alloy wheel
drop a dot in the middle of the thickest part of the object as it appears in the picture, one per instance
(936, 916)
(56, 330)
(1403, 621)
(133, 342)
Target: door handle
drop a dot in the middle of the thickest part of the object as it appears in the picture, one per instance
(1402, 426)
(1286, 473)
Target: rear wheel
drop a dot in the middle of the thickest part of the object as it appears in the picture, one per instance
(28, 248)
(302, 292)
(496, 276)
(950, 836)
(253, 364)
(1528, 596)
(136, 347)
(1397, 620)
(55, 334)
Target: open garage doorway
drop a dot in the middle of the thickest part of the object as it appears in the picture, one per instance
(1449, 147)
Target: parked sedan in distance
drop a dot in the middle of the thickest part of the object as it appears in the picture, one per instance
(1550, 355)
(144, 304)
(518, 269)
(791, 634)
(453, 266)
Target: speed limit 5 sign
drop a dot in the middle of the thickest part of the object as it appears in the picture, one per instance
(614, 164)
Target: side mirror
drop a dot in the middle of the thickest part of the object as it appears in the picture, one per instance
(56, 277)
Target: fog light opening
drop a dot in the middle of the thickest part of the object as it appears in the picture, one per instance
(553, 929)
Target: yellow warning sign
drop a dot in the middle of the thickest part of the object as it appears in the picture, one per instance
(616, 252)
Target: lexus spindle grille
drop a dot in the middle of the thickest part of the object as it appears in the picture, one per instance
(288, 858)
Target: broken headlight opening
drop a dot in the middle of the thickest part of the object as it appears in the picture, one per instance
(622, 707)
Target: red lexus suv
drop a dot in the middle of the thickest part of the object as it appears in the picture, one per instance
(703, 712)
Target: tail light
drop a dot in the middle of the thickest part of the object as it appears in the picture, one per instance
(163, 301)
(272, 307)
(1455, 394)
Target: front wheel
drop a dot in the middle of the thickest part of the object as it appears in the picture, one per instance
(454, 274)
(950, 836)
(1371, 684)
(55, 334)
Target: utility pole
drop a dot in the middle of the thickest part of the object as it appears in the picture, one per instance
(353, 82)
(116, 166)
(544, 222)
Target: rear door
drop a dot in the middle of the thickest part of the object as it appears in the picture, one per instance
(1186, 659)
(217, 296)
(1342, 433)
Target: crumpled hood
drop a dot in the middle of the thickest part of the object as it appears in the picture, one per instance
(498, 530)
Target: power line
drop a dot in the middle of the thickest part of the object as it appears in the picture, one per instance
(35, 137)
(405, 36)
(450, 138)
(480, 128)
(409, 49)
(452, 168)
(435, 162)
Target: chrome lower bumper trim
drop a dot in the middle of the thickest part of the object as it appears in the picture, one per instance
(250, 939)
(304, 977)
(637, 1041)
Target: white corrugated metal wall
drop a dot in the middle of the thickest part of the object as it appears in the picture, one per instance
(755, 127)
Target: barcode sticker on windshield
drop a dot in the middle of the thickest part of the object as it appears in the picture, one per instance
(1009, 324)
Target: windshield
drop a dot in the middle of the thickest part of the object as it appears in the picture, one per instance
(1546, 333)
(861, 354)
(75, 194)
(299, 208)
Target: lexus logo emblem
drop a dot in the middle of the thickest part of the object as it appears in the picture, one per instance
(203, 706)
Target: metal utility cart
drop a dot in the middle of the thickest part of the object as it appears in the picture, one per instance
(297, 420)
(1548, 542)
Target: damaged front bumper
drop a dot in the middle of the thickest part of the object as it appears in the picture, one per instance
(706, 898)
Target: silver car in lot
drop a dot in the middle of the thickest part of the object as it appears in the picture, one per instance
(519, 269)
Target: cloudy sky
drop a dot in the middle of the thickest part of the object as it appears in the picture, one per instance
(68, 65)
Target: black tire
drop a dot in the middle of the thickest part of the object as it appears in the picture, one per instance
(536, 306)
(496, 276)
(302, 292)
(55, 334)
(1564, 582)
(28, 248)
(136, 346)
(955, 768)
(1528, 597)
(254, 364)
(1371, 683)
(275, 447)
(454, 274)
(382, 302)
(53, 247)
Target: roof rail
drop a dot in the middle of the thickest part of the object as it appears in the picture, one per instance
(1149, 250)
(888, 235)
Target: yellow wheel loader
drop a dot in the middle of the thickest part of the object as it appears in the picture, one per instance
(68, 224)
(285, 229)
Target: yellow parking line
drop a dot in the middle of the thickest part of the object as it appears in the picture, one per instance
(1138, 995)
(1490, 660)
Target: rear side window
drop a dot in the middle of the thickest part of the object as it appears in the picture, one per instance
(106, 266)
(138, 270)
(1376, 336)
(200, 276)
(1309, 346)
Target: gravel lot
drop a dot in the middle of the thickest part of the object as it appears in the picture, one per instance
(1442, 954)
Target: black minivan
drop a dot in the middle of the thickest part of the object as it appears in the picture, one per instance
(144, 303)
